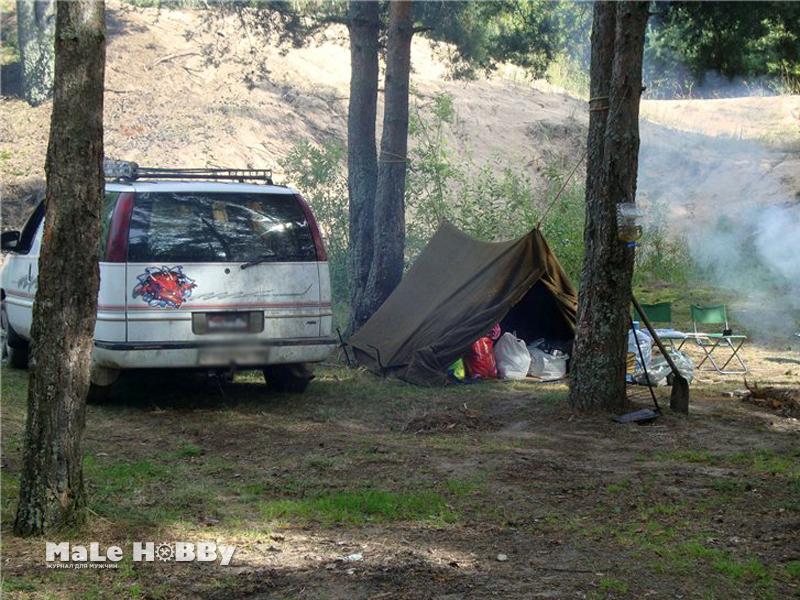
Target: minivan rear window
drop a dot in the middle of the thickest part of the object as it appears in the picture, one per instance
(218, 227)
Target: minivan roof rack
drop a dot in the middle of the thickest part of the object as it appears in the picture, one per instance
(131, 171)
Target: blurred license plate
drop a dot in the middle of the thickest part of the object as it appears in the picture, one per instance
(234, 355)
(228, 322)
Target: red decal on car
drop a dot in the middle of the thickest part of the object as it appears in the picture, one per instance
(165, 287)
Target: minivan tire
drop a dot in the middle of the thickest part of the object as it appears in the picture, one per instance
(288, 379)
(17, 349)
(99, 394)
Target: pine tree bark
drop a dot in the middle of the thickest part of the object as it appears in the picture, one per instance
(390, 224)
(362, 159)
(35, 30)
(64, 311)
(598, 366)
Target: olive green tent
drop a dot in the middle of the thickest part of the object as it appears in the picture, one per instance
(457, 289)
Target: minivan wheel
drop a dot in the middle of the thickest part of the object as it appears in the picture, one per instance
(99, 394)
(15, 348)
(102, 384)
(290, 379)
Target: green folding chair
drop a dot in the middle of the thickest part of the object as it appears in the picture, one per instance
(660, 313)
(710, 342)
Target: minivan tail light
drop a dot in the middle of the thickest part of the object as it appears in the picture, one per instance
(322, 256)
(117, 245)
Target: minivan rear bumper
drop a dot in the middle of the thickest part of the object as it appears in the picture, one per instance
(170, 355)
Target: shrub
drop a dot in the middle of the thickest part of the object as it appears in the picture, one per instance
(487, 202)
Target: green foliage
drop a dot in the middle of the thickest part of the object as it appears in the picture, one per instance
(526, 33)
(320, 175)
(9, 49)
(662, 255)
(486, 202)
(751, 40)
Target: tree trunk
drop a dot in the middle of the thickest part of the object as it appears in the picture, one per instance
(390, 224)
(598, 365)
(64, 311)
(362, 160)
(35, 30)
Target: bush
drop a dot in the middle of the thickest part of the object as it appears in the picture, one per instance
(488, 203)
(319, 173)
(485, 202)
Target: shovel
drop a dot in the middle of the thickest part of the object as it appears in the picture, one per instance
(679, 398)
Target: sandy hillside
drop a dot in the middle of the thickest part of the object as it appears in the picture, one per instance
(181, 93)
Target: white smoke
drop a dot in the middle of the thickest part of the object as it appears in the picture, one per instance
(737, 204)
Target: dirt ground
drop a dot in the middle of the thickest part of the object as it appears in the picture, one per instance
(365, 488)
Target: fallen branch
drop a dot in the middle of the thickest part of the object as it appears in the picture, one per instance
(785, 400)
(169, 57)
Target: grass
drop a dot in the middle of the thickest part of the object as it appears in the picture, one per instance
(256, 466)
(361, 506)
(612, 584)
(188, 451)
(687, 456)
(618, 487)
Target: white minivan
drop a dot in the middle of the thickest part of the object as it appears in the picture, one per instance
(198, 270)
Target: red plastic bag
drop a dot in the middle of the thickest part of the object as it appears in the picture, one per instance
(480, 361)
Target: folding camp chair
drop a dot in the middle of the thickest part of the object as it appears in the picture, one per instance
(709, 342)
(660, 314)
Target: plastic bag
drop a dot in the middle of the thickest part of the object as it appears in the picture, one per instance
(513, 358)
(547, 366)
(646, 345)
(480, 361)
(456, 370)
(659, 370)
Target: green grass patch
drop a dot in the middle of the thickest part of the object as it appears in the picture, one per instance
(687, 456)
(17, 584)
(618, 486)
(749, 570)
(792, 569)
(465, 487)
(361, 506)
(188, 451)
(613, 585)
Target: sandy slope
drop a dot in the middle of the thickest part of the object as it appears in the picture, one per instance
(183, 93)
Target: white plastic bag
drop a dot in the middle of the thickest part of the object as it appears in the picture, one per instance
(547, 366)
(512, 357)
(659, 368)
(646, 345)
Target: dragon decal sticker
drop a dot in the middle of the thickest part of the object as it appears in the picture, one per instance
(164, 287)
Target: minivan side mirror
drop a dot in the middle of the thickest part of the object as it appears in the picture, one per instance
(9, 240)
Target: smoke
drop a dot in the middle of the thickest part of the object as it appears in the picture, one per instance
(735, 202)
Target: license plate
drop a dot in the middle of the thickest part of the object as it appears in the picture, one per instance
(228, 322)
(216, 357)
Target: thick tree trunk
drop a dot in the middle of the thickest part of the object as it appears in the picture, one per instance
(598, 365)
(362, 160)
(35, 30)
(390, 224)
(64, 311)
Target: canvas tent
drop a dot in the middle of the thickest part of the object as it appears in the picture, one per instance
(457, 289)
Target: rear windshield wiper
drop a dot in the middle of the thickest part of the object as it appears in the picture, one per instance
(259, 260)
(273, 258)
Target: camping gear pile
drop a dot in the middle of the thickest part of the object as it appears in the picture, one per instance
(655, 370)
(455, 293)
(506, 356)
